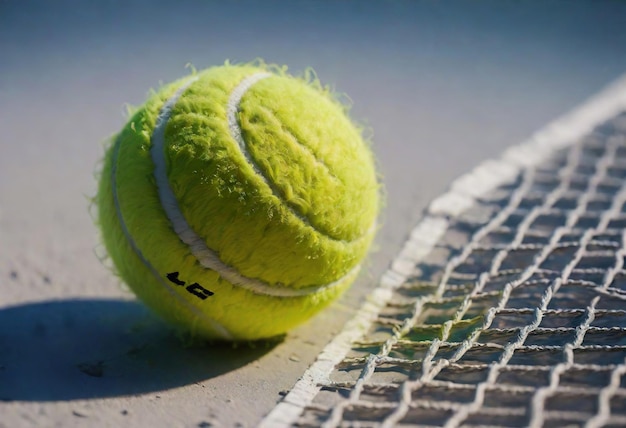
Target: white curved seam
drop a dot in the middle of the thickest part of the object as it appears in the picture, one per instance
(232, 108)
(206, 256)
(220, 329)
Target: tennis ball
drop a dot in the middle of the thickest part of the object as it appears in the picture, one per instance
(239, 201)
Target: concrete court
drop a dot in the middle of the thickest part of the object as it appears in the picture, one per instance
(443, 86)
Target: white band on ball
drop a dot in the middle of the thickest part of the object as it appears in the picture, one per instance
(217, 327)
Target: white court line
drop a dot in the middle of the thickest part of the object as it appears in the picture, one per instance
(463, 193)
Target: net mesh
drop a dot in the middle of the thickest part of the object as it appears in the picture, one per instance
(516, 318)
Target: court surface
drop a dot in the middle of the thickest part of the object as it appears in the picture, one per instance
(444, 87)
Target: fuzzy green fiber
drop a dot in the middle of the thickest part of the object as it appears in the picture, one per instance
(302, 220)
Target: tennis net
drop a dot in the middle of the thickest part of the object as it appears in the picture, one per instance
(513, 315)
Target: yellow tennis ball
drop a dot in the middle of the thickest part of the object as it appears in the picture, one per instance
(238, 201)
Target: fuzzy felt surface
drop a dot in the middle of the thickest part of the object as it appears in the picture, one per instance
(297, 210)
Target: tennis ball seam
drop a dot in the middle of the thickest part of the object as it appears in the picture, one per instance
(207, 257)
(217, 327)
(246, 160)
(233, 107)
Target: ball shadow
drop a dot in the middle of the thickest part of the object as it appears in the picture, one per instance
(76, 349)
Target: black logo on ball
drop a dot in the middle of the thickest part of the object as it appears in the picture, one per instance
(196, 289)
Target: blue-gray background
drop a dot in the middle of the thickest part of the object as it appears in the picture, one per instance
(443, 85)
